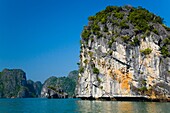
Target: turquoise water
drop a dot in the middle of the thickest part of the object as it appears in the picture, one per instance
(79, 106)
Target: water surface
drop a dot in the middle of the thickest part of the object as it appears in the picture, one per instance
(38, 105)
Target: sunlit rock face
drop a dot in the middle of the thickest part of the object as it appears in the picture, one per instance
(125, 51)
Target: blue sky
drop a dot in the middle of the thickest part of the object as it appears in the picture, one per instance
(42, 36)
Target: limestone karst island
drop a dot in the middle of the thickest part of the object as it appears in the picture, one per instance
(124, 55)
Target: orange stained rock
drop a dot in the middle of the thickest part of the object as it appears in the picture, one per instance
(103, 63)
(109, 72)
(152, 96)
(150, 70)
(150, 79)
(124, 80)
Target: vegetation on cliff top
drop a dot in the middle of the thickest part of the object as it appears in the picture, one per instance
(138, 22)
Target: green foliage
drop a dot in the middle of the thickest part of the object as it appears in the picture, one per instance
(112, 9)
(95, 28)
(147, 33)
(98, 34)
(115, 22)
(110, 52)
(167, 28)
(91, 18)
(143, 82)
(85, 34)
(67, 84)
(85, 61)
(140, 17)
(90, 54)
(123, 25)
(164, 49)
(51, 87)
(125, 38)
(81, 69)
(14, 84)
(96, 71)
(166, 41)
(155, 31)
(105, 29)
(111, 41)
(119, 15)
(135, 42)
(158, 19)
(99, 80)
(146, 51)
(143, 89)
(103, 20)
(102, 15)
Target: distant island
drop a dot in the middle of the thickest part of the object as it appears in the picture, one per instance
(61, 87)
(14, 84)
(125, 55)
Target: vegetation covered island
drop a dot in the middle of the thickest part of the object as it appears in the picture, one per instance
(125, 55)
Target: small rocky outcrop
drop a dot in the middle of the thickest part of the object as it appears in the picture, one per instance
(61, 87)
(52, 89)
(125, 51)
(53, 92)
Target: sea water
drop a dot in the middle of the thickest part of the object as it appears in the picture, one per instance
(39, 105)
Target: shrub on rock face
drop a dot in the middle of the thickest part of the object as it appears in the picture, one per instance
(165, 52)
(95, 70)
(135, 42)
(85, 34)
(81, 69)
(164, 49)
(155, 31)
(146, 51)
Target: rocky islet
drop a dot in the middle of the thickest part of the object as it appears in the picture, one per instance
(125, 52)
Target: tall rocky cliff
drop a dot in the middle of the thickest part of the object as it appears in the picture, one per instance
(13, 84)
(125, 51)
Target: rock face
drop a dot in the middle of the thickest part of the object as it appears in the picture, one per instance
(62, 87)
(13, 84)
(51, 89)
(125, 51)
(73, 75)
(34, 88)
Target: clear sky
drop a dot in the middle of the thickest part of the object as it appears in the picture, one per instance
(42, 36)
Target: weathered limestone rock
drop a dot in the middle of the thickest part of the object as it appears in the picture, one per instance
(53, 93)
(124, 67)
